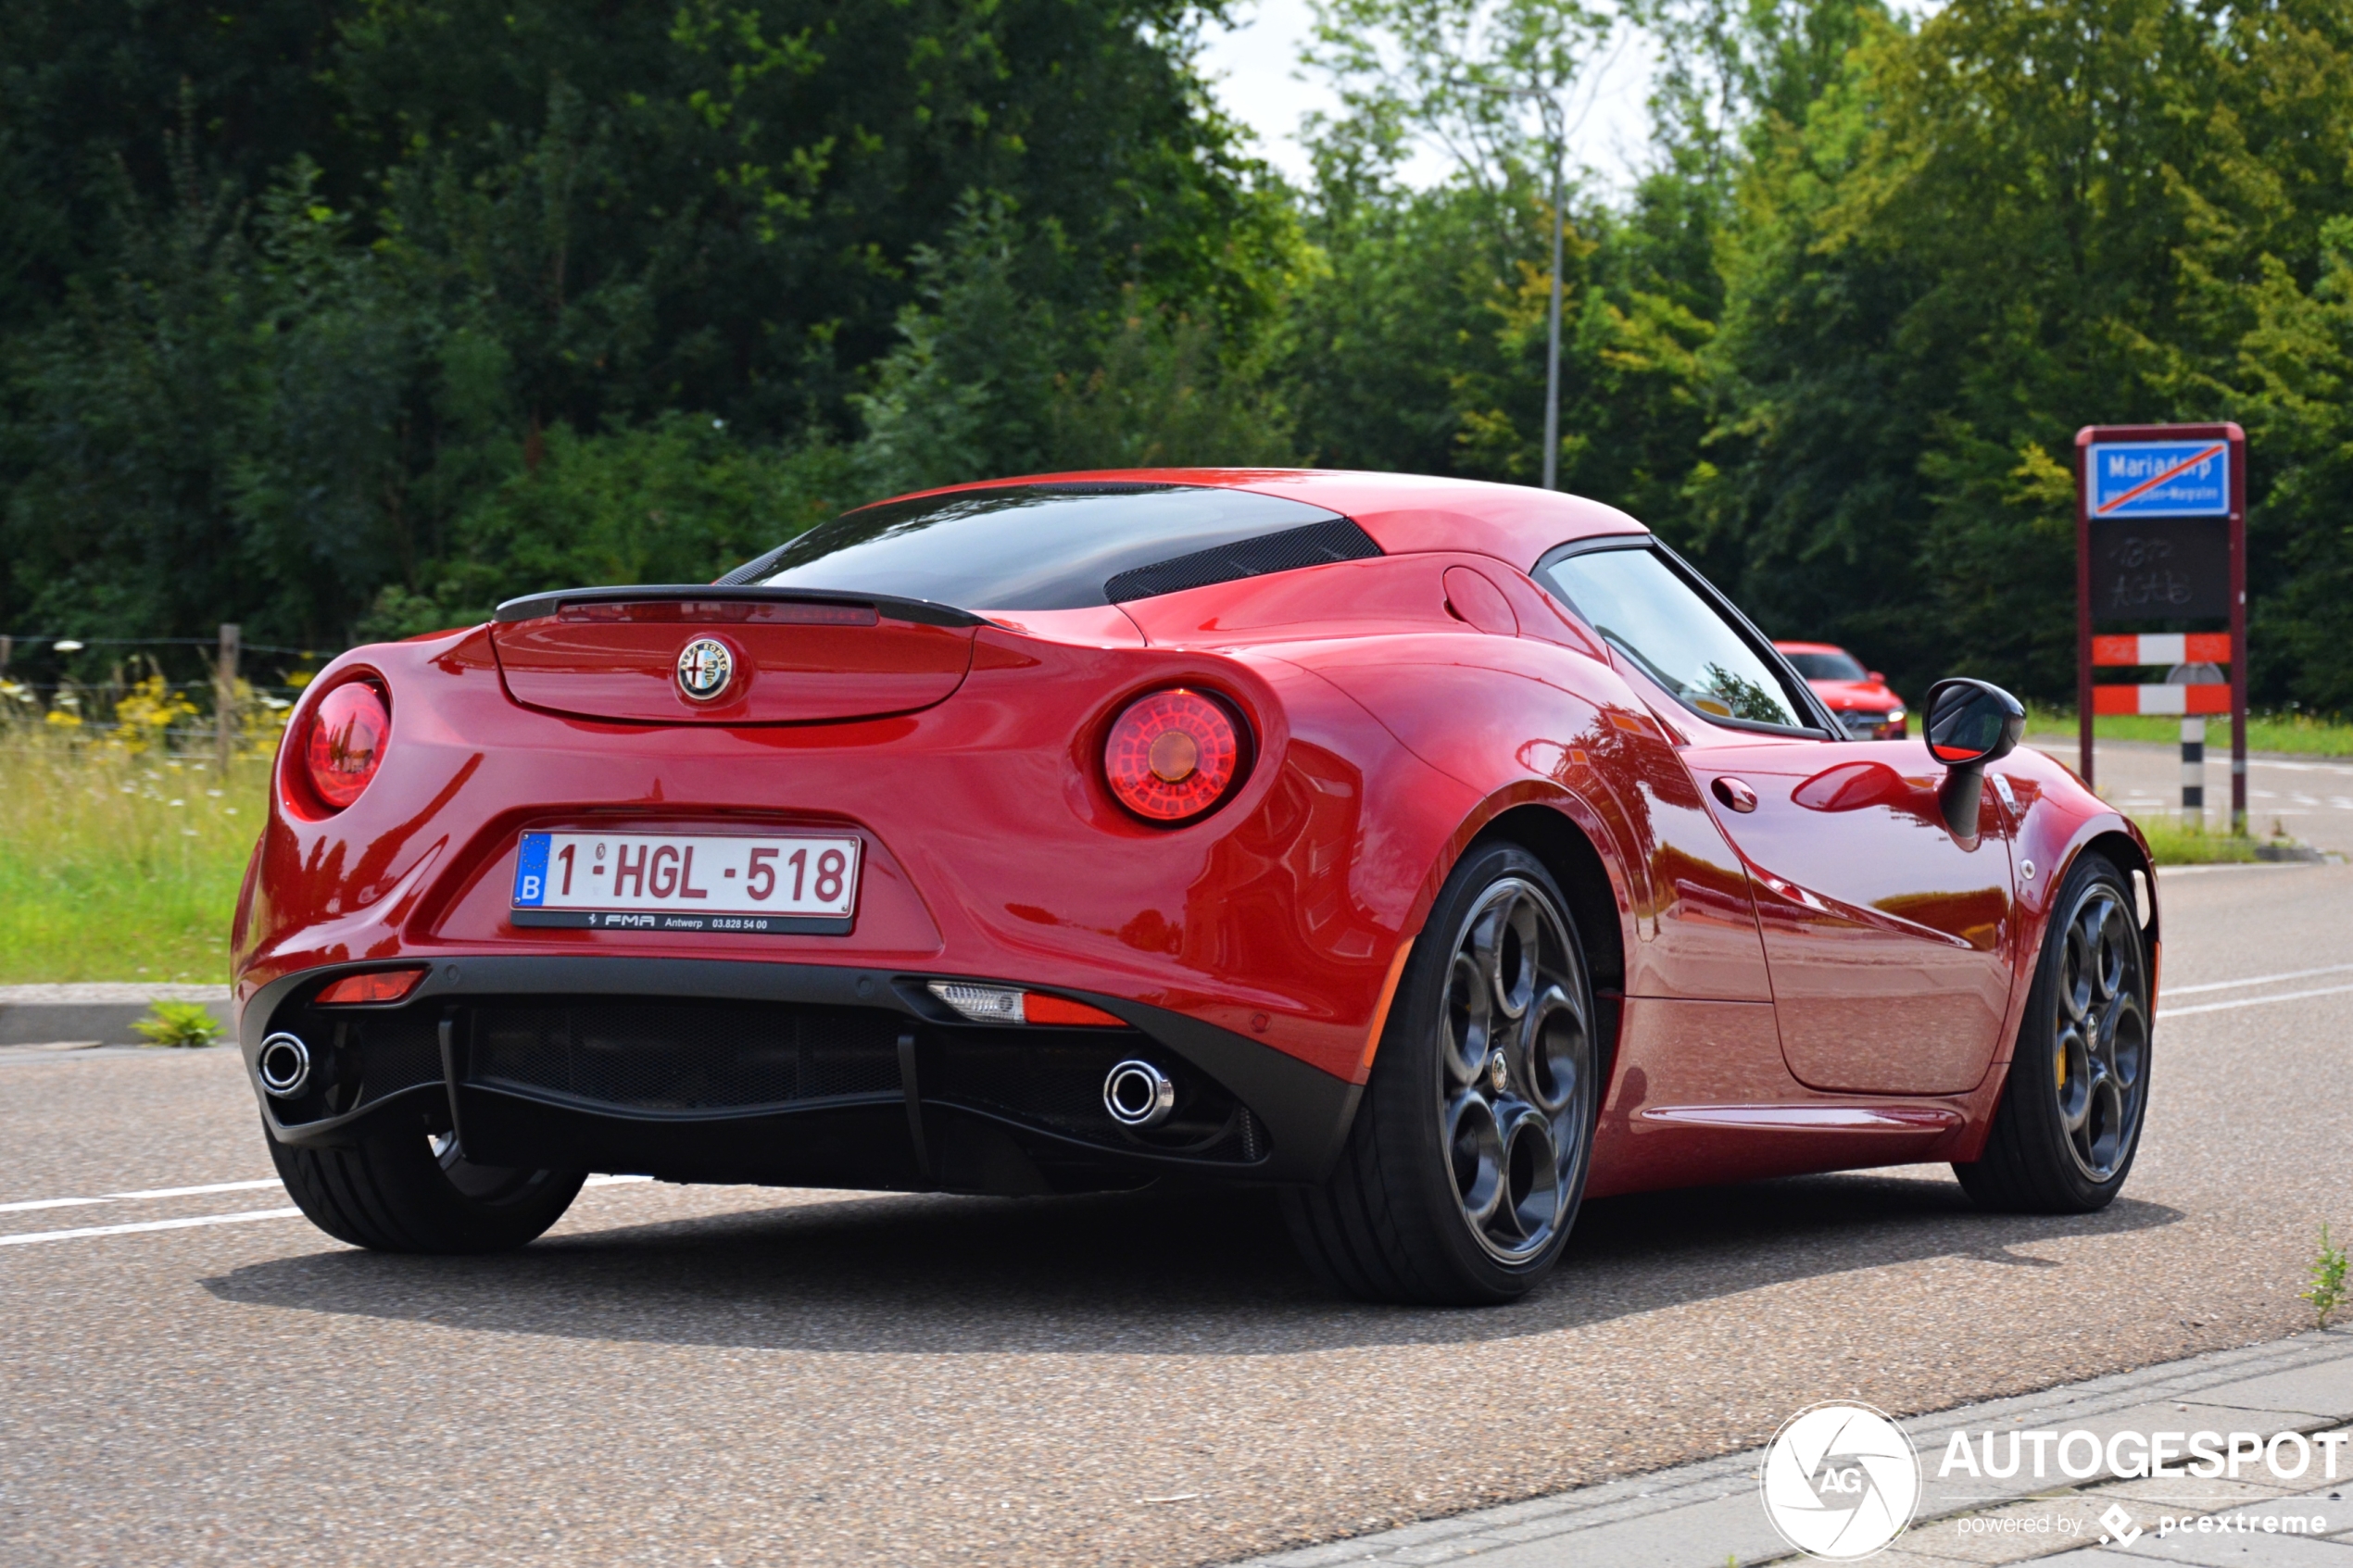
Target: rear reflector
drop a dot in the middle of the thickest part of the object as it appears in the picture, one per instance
(376, 986)
(1038, 1008)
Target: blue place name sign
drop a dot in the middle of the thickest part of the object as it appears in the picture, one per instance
(2160, 478)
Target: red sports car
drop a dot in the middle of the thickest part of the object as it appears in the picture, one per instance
(1440, 853)
(1859, 699)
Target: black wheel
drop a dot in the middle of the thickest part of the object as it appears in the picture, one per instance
(1463, 1173)
(2069, 1118)
(411, 1191)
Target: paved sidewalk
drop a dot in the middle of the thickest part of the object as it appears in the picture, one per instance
(1709, 1515)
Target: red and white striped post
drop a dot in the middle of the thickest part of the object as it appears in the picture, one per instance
(2156, 493)
(2182, 692)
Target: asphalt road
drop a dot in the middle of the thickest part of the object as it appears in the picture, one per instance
(727, 1376)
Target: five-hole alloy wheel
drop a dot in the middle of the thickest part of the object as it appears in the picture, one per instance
(1464, 1169)
(2069, 1118)
(411, 1191)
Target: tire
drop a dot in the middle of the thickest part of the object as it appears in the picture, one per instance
(1465, 1165)
(406, 1191)
(2068, 1122)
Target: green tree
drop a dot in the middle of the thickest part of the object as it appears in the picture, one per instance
(305, 303)
(2020, 218)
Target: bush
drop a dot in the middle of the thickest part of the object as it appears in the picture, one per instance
(679, 500)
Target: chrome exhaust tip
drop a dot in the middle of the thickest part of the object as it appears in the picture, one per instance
(283, 1065)
(1138, 1094)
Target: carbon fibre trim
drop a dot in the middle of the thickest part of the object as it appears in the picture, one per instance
(1318, 544)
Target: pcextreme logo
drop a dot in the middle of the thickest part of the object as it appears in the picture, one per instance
(1839, 1481)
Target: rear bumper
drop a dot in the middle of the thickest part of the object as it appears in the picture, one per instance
(788, 1075)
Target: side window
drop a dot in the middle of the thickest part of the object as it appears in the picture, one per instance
(1655, 618)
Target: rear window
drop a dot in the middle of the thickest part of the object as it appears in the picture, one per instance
(1827, 666)
(1057, 547)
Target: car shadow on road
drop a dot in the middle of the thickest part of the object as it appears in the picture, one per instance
(1205, 1272)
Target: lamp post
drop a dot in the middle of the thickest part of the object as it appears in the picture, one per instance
(1553, 354)
(1555, 136)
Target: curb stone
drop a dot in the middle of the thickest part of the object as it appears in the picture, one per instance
(99, 1011)
(1706, 1514)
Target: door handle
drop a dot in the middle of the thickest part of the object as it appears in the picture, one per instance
(1734, 794)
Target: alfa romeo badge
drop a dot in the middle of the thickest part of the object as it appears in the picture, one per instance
(705, 669)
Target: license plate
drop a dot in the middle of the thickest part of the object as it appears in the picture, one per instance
(757, 885)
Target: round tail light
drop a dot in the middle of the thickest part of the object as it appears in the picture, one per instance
(345, 742)
(1173, 755)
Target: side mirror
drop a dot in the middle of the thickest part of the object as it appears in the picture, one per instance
(1968, 723)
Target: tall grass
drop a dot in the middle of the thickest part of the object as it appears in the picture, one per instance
(118, 863)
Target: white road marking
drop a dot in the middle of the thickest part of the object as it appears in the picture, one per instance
(2259, 980)
(192, 1192)
(2253, 1002)
(25, 1237)
(181, 1192)
(135, 1197)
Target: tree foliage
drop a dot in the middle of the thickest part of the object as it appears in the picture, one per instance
(345, 317)
(318, 316)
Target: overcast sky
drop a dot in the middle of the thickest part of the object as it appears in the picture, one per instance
(1255, 68)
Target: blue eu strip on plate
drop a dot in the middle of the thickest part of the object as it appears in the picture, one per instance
(531, 871)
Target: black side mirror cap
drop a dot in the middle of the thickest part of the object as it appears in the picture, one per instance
(1969, 723)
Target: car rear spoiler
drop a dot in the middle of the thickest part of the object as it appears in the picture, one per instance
(532, 606)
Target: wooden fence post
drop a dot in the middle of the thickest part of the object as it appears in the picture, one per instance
(224, 699)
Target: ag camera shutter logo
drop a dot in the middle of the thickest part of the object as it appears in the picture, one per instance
(1839, 1481)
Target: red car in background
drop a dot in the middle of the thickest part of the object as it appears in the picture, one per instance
(1860, 699)
(1437, 853)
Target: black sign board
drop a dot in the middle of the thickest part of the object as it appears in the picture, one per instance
(2172, 568)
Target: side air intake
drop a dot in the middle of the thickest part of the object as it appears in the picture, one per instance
(1317, 542)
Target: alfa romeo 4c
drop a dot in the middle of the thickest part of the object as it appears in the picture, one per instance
(1441, 854)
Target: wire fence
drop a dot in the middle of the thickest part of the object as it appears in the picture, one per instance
(62, 642)
(117, 692)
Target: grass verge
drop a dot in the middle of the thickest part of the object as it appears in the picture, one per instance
(2297, 734)
(118, 864)
(2176, 843)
